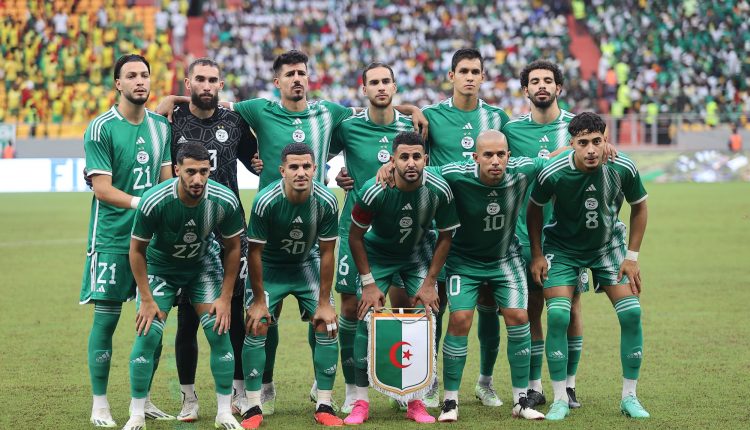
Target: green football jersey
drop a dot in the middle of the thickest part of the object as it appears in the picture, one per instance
(367, 146)
(179, 235)
(400, 221)
(454, 131)
(586, 205)
(488, 214)
(527, 138)
(291, 231)
(277, 127)
(133, 156)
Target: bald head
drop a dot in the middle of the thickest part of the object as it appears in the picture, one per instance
(492, 156)
(491, 138)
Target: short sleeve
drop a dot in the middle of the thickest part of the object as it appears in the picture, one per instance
(143, 225)
(329, 224)
(167, 149)
(338, 142)
(232, 224)
(97, 145)
(632, 185)
(339, 112)
(257, 228)
(446, 217)
(541, 193)
(249, 109)
(368, 200)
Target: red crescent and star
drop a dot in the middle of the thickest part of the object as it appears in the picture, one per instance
(406, 354)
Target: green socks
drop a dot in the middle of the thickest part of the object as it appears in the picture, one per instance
(325, 360)
(631, 336)
(488, 332)
(222, 356)
(558, 319)
(253, 361)
(519, 354)
(575, 346)
(106, 315)
(537, 358)
(360, 355)
(142, 360)
(455, 349)
(347, 331)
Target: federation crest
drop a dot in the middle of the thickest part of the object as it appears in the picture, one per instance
(190, 237)
(405, 222)
(467, 142)
(493, 208)
(298, 136)
(401, 352)
(543, 153)
(222, 135)
(142, 157)
(584, 277)
(384, 155)
(296, 234)
(591, 204)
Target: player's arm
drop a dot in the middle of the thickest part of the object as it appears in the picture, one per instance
(222, 307)
(148, 309)
(106, 192)
(538, 266)
(372, 297)
(427, 294)
(258, 309)
(167, 104)
(247, 150)
(326, 314)
(630, 267)
(417, 117)
(165, 173)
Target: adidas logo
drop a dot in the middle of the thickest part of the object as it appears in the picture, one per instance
(635, 355)
(331, 370)
(227, 357)
(468, 126)
(254, 373)
(591, 188)
(140, 141)
(343, 282)
(556, 355)
(101, 289)
(383, 140)
(544, 139)
(524, 352)
(298, 220)
(182, 140)
(407, 207)
(190, 223)
(297, 121)
(104, 357)
(139, 360)
(349, 362)
(492, 193)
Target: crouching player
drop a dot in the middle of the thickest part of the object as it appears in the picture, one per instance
(173, 248)
(292, 233)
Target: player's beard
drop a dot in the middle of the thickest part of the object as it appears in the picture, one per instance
(382, 105)
(135, 101)
(403, 176)
(202, 104)
(544, 104)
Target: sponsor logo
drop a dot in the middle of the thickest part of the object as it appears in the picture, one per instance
(467, 142)
(296, 234)
(544, 139)
(139, 360)
(221, 135)
(637, 355)
(349, 362)
(298, 136)
(190, 223)
(227, 357)
(190, 237)
(140, 141)
(405, 222)
(556, 355)
(182, 140)
(298, 220)
(543, 153)
(493, 208)
(492, 193)
(406, 207)
(468, 126)
(591, 204)
(104, 357)
(384, 155)
(297, 121)
(343, 282)
(591, 188)
(384, 139)
(254, 373)
(584, 277)
(331, 370)
(142, 157)
(524, 352)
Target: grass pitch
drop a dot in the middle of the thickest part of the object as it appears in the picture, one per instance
(696, 328)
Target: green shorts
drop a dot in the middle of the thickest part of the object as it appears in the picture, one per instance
(301, 281)
(410, 270)
(565, 270)
(107, 277)
(505, 278)
(200, 283)
(347, 277)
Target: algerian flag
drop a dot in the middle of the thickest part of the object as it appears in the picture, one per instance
(401, 354)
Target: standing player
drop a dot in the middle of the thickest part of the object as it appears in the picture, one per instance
(127, 151)
(388, 237)
(455, 124)
(227, 138)
(489, 194)
(585, 232)
(176, 221)
(366, 140)
(292, 234)
(536, 135)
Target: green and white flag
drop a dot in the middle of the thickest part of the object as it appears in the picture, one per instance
(401, 353)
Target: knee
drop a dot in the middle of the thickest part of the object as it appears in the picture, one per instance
(557, 317)
(349, 306)
(150, 341)
(630, 316)
(514, 317)
(460, 323)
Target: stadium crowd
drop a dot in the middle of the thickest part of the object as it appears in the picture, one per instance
(54, 51)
